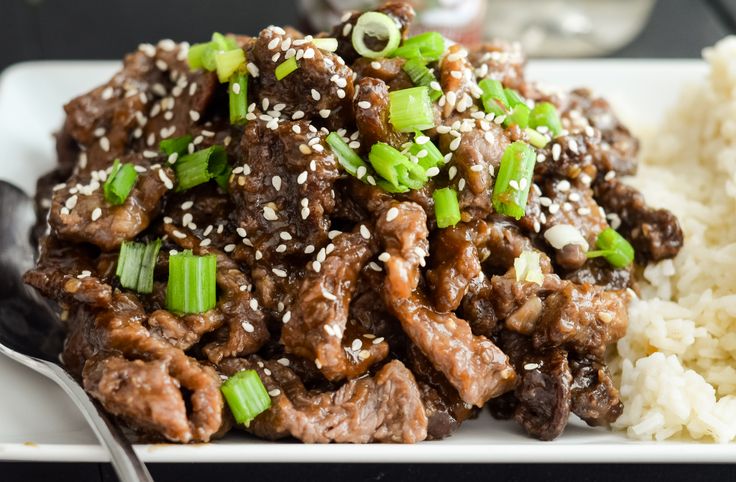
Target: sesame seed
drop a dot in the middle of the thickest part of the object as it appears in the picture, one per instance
(269, 214)
(279, 272)
(364, 104)
(273, 43)
(276, 182)
(253, 304)
(309, 249)
(96, 214)
(281, 248)
(302, 178)
(328, 295)
(205, 242)
(71, 203)
(556, 151)
(297, 115)
(285, 236)
(325, 113)
(334, 233)
(179, 234)
(304, 149)
(553, 208)
(365, 232)
(433, 171)
(356, 345)
(316, 95)
(461, 184)
(455, 143)
(563, 185)
(316, 266)
(105, 144)
(165, 179)
(531, 366)
(383, 257)
(378, 340)
(392, 214)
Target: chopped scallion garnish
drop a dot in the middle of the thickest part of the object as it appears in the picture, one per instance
(238, 97)
(511, 190)
(119, 183)
(285, 68)
(614, 247)
(202, 56)
(428, 46)
(513, 98)
(421, 76)
(228, 62)
(378, 26)
(411, 109)
(446, 207)
(545, 114)
(200, 167)
(427, 154)
(327, 44)
(175, 145)
(246, 396)
(346, 157)
(519, 116)
(396, 168)
(136, 263)
(192, 283)
(536, 138)
(493, 97)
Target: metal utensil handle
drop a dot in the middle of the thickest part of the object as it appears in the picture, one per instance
(126, 463)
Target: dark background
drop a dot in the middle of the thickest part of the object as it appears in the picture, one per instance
(100, 29)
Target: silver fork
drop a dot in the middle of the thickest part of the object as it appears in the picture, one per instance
(31, 332)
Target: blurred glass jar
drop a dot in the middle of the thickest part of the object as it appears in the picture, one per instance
(570, 28)
(459, 20)
(545, 28)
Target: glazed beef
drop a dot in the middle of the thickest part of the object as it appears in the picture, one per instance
(386, 407)
(654, 233)
(365, 320)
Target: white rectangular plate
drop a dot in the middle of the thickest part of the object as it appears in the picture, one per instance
(38, 422)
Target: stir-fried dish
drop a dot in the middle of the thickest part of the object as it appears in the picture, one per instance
(358, 236)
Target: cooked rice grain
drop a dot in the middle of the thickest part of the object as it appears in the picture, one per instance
(678, 359)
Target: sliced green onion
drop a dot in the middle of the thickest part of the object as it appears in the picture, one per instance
(535, 138)
(545, 114)
(519, 116)
(388, 187)
(346, 157)
(411, 109)
(427, 154)
(513, 98)
(222, 42)
(197, 53)
(228, 62)
(119, 183)
(446, 207)
(614, 247)
(192, 283)
(326, 44)
(285, 68)
(396, 168)
(136, 263)
(223, 177)
(514, 179)
(238, 97)
(428, 46)
(379, 26)
(199, 167)
(493, 97)
(421, 76)
(176, 145)
(246, 396)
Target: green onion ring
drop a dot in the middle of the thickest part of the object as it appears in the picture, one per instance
(380, 26)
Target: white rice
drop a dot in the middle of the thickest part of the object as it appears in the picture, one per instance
(678, 360)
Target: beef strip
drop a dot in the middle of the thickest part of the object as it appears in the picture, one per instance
(246, 330)
(389, 70)
(83, 215)
(318, 328)
(386, 407)
(654, 233)
(473, 365)
(321, 88)
(500, 60)
(595, 398)
(543, 391)
(371, 106)
(445, 410)
(582, 318)
(283, 196)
